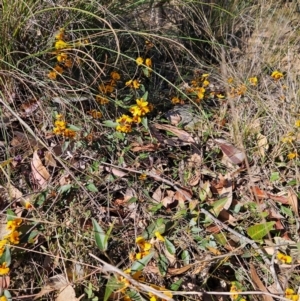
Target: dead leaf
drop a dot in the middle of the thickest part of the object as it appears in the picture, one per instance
(232, 154)
(151, 147)
(49, 160)
(4, 282)
(260, 194)
(170, 271)
(181, 134)
(293, 200)
(262, 143)
(278, 198)
(169, 199)
(157, 195)
(116, 172)
(3, 229)
(56, 282)
(194, 161)
(13, 192)
(183, 195)
(39, 171)
(223, 187)
(259, 283)
(171, 258)
(66, 293)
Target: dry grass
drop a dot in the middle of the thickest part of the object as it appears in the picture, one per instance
(156, 178)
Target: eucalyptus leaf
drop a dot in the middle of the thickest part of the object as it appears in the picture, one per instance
(110, 123)
(170, 247)
(163, 264)
(185, 256)
(91, 187)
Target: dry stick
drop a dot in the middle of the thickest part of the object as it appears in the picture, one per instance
(202, 210)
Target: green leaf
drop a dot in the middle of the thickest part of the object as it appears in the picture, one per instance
(176, 285)
(157, 225)
(112, 285)
(287, 211)
(170, 247)
(185, 256)
(134, 295)
(218, 206)
(163, 264)
(141, 263)
(7, 295)
(65, 188)
(145, 96)
(145, 123)
(10, 215)
(74, 127)
(274, 176)
(100, 236)
(257, 232)
(6, 257)
(91, 187)
(220, 238)
(110, 123)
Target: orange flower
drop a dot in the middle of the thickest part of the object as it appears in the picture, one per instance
(139, 61)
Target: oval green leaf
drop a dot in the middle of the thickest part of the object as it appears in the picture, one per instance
(141, 263)
(257, 232)
(170, 247)
(100, 236)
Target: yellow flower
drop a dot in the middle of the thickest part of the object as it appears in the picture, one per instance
(288, 139)
(230, 80)
(297, 123)
(14, 237)
(68, 133)
(14, 224)
(292, 156)
(60, 44)
(58, 69)
(135, 111)
(115, 75)
(61, 57)
(52, 75)
(143, 177)
(139, 61)
(102, 100)
(3, 269)
(133, 84)
(28, 205)
(175, 100)
(241, 90)
(220, 96)
(106, 88)
(290, 294)
(253, 81)
(143, 244)
(148, 63)
(3, 244)
(95, 114)
(205, 83)
(143, 105)
(159, 236)
(277, 75)
(124, 119)
(284, 258)
(68, 63)
(125, 128)
(60, 34)
(3, 298)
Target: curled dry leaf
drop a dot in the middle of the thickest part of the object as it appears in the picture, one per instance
(157, 195)
(182, 195)
(231, 153)
(39, 171)
(293, 200)
(223, 187)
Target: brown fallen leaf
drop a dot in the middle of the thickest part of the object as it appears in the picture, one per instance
(66, 293)
(49, 160)
(39, 171)
(293, 200)
(260, 194)
(157, 195)
(116, 172)
(231, 153)
(169, 199)
(223, 187)
(170, 271)
(259, 283)
(262, 143)
(182, 195)
(151, 147)
(181, 134)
